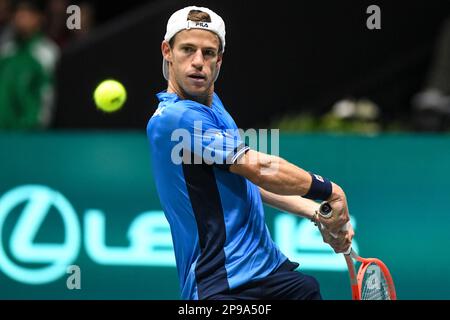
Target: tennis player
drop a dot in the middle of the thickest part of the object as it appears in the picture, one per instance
(212, 186)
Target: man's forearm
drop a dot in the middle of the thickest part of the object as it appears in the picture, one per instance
(274, 174)
(293, 204)
(279, 176)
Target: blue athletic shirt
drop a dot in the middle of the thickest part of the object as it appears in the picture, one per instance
(216, 217)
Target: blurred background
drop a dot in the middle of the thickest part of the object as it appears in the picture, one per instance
(318, 66)
(377, 100)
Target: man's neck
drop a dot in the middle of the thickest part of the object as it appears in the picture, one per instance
(204, 99)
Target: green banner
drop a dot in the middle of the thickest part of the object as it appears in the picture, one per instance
(80, 217)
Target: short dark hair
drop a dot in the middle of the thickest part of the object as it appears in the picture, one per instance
(199, 16)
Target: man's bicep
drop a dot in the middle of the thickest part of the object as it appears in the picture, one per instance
(247, 166)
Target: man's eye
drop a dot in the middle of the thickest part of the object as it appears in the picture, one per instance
(210, 53)
(188, 49)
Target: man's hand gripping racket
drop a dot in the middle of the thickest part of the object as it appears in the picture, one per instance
(373, 281)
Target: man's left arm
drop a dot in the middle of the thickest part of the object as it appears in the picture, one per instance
(299, 206)
(293, 204)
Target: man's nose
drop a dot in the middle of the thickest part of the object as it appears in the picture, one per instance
(197, 60)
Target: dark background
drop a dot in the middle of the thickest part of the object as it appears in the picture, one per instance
(282, 57)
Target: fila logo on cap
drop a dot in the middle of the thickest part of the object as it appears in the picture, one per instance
(196, 24)
(201, 24)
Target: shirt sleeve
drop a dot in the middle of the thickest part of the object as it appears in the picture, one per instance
(205, 141)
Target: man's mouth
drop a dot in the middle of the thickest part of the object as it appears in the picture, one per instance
(197, 77)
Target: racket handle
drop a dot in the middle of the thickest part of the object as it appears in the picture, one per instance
(326, 212)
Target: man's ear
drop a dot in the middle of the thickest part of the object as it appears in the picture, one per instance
(166, 51)
(218, 65)
(219, 60)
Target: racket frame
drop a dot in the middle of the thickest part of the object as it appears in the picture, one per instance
(356, 279)
(365, 263)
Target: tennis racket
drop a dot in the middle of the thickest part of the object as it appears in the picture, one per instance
(373, 280)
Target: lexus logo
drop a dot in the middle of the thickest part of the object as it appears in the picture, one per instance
(37, 200)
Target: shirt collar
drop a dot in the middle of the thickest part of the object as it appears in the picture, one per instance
(164, 96)
(170, 96)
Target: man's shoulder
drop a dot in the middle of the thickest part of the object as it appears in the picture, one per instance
(168, 116)
(170, 110)
(181, 110)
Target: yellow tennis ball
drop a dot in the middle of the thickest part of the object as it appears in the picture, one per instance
(110, 95)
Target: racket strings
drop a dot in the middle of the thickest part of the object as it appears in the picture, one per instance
(374, 284)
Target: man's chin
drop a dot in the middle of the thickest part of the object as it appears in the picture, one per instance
(197, 92)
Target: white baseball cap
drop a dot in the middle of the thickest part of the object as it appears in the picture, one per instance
(179, 21)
